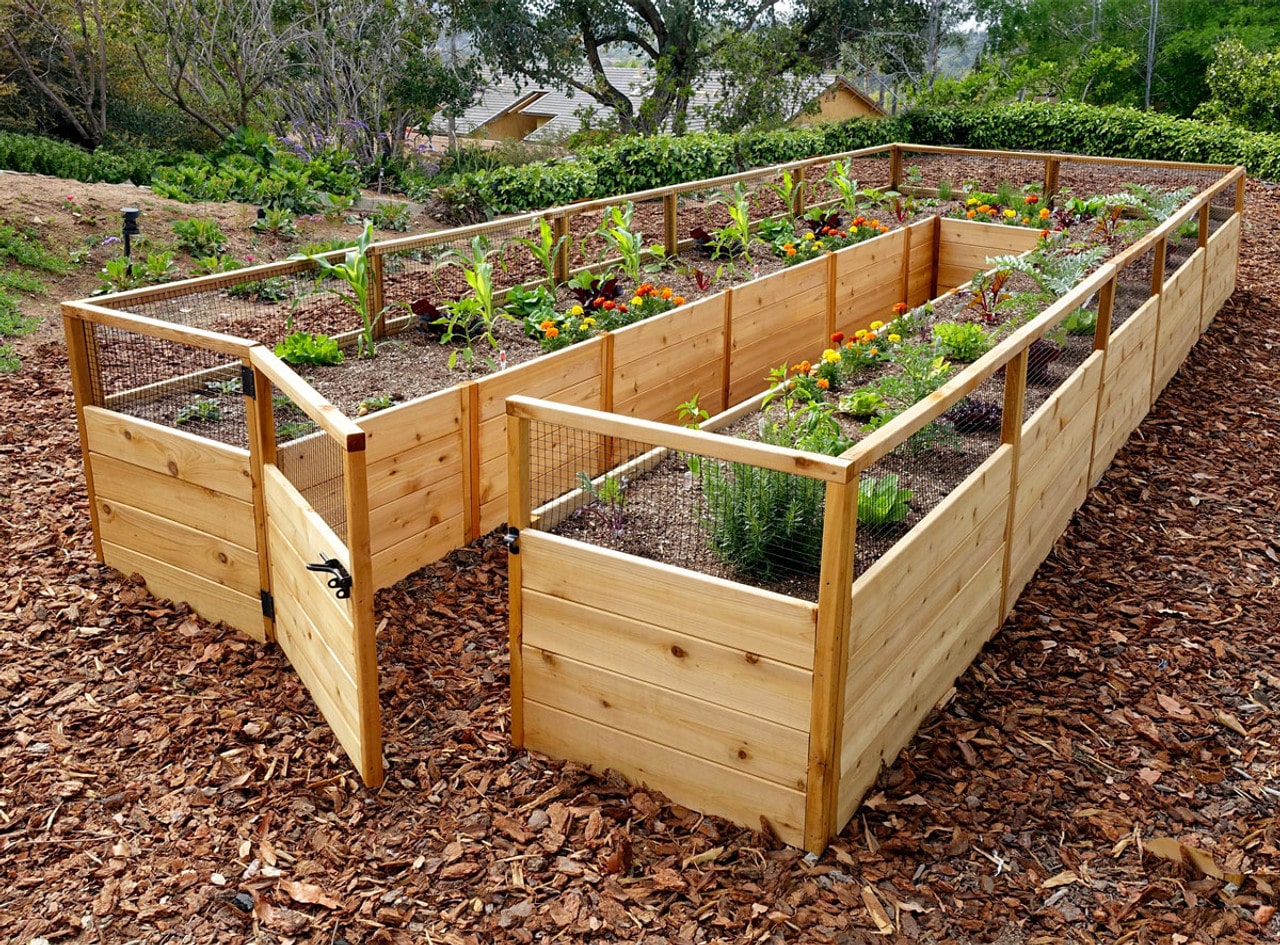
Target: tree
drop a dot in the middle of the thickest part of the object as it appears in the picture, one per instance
(1244, 87)
(218, 61)
(58, 50)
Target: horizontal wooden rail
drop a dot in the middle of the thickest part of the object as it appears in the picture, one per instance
(729, 449)
(1045, 155)
(168, 331)
(326, 416)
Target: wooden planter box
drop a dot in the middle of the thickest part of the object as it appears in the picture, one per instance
(765, 708)
(230, 530)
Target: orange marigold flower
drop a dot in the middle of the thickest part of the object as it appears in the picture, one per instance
(609, 305)
(622, 306)
(553, 332)
(805, 367)
(874, 351)
(666, 292)
(599, 300)
(1032, 198)
(1044, 234)
(677, 300)
(899, 308)
(971, 214)
(1044, 213)
(883, 228)
(547, 324)
(824, 383)
(791, 250)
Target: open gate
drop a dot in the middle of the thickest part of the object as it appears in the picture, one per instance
(316, 523)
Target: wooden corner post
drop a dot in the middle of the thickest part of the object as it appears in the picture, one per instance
(356, 493)
(1051, 167)
(86, 386)
(895, 166)
(377, 300)
(560, 230)
(519, 505)
(670, 223)
(830, 663)
(797, 192)
(1015, 401)
(260, 419)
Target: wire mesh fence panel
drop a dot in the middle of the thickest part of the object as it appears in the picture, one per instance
(898, 491)
(1054, 357)
(1221, 206)
(960, 174)
(311, 460)
(1133, 287)
(1083, 179)
(731, 520)
(262, 309)
(1182, 243)
(191, 389)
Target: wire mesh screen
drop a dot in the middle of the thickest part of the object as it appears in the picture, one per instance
(1054, 357)
(191, 389)
(1083, 178)
(311, 460)
(263, 308)
(961, 174)
(1221, 206)
(1182, 242)
(1133, 287)
(730, 520)
(896, 492)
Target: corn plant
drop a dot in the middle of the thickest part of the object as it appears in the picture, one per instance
(354, 271)
(473, 316)
(838, 177)
(736, 234)
(629, 245)
(545, 249)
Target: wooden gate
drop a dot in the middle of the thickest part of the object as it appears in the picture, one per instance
(316, 520)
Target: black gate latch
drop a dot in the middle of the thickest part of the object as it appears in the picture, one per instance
(512, 538)
(341, 580)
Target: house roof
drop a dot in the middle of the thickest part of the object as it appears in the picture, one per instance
(502, 95)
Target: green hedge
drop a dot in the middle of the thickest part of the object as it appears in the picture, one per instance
(1110, 132)
(632, 164)
(34, 154)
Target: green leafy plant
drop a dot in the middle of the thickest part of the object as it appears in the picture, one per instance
(762, 522)
(200, 236)
(946, 189)
(881, 501)
(545, 248)
(532, 307)
(1081, 322)
(10, 362)
(373, 404)
(228, 387)
(961, 341)
(280, 221)
(862, 403)
(26, 249)
(472, 317)
(12, 322)
(302, 347)
(392, 216)
(294, 429)
(786, 190)
(608, 500)
(208, 265)
(987, 291)
(1055, 268)
(117, 275)
(838, 177)
(628, 244)
(354, 271)
(734, 238)
(202, 409)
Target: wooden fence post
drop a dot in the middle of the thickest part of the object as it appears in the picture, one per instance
(895, 167)
(560, 229)
(1157, 288)
(830, 663)
(260, 419)
(798, 193)
(519, 505)
(1015, 399)
(670, 221)
(1203, 238)
(355, 486)
(86, 387)
(1051, 166)
(377, 293)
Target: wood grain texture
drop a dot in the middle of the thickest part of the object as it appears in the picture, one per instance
(1126, 386)
(1179, 318)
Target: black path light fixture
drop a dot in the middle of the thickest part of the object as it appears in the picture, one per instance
(128, 231)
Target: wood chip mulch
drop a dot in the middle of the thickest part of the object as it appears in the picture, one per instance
(1105, 772)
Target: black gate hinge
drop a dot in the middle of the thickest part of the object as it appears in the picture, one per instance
(248, 386)
(268, 605)
(340, 580)
(512, 538)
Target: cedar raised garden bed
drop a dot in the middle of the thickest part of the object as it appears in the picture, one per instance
(231, 528)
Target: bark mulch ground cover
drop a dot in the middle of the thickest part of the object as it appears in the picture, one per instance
(1105, 772)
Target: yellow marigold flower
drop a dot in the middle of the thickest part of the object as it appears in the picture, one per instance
(877, 325)
(1044, 213)
(874, 351)
(817, 244)
(895, 338)
(588, 322)
(808, 236)
(972, 201)
(1010, 214)
(576, 310)
(831, 356)
(637, 300)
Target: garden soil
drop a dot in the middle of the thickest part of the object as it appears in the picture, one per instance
(1104, 772)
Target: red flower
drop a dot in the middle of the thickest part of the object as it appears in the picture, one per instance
(609, 305)
(837, 338)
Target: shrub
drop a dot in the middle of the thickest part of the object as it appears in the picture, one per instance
(35, 154)
(200, 236)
